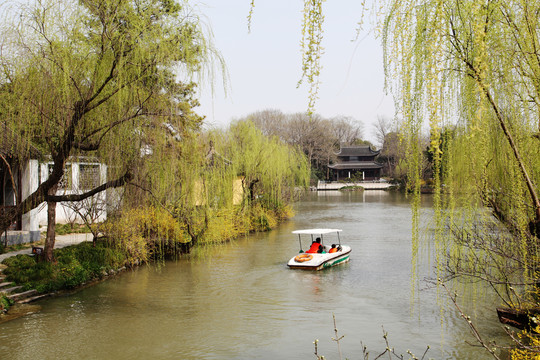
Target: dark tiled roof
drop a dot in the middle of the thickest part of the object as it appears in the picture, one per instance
(362, 150)
(356, 165)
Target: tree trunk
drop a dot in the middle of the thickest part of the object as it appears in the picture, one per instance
(51, 224)
(252, 190)
(535, 199)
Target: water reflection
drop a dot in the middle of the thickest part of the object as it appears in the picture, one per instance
(241, 301)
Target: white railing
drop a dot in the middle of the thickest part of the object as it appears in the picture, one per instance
(367, 185)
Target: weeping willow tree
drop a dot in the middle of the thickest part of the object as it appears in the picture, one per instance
(471, 70)
(92, 78)
(213, 186)
(270, 170)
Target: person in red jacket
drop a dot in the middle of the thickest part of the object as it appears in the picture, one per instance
(316, 247)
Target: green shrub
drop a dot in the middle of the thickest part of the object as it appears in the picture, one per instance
(63, 229)
(143, 233)
(5, 303)
(352, 188)
(261, 219)
(73, 266)
(224, 225)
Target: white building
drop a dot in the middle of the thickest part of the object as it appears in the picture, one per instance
(80, 176)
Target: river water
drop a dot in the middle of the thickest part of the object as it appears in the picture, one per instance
(240, 301)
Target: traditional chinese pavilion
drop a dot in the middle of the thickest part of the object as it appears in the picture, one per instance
(356, 162)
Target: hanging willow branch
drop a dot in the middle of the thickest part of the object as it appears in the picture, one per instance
(530, 186)
(13, 183)
(312, 50)
(475, 74)
(250, 15)
(471, 68)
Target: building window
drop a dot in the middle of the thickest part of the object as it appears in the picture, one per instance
(65, 182)
(89, 176)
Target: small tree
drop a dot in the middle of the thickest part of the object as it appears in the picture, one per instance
(90, 210)
(270, 168)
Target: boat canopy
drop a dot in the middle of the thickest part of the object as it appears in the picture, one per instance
(316, 231)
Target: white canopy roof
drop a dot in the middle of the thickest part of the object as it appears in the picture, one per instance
(316, 231)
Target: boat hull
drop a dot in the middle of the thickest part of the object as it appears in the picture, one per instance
(322, 261)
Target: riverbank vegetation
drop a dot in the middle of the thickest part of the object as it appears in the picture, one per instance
(99, 80)
(94, 79)
(470, 70)
(215, 186)
(209, 199)
(73, 266)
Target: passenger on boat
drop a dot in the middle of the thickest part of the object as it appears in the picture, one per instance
(333, 249)
(316, 247)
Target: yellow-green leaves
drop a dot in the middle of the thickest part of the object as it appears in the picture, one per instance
(469, 71)
(312, 50)
(270, 168)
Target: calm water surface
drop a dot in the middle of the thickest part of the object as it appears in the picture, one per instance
(242, 302)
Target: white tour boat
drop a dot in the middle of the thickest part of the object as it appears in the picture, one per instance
(320, 256)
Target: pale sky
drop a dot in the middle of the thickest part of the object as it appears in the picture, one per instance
(265, 65)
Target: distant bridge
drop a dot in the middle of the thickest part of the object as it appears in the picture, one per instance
(367, 185)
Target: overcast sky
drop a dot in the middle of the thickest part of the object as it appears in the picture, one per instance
(265, 65)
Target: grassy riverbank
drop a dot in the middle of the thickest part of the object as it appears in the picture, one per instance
(137, 237)
(73, 266)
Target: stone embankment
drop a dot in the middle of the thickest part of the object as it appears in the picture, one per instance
(14, 292)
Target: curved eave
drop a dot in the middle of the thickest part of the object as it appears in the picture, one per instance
(357, 151)
(356, 166)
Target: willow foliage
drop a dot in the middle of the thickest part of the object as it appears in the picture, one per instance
(95, 78)
(269, 168)
(312, 35)
(104, 68)
(218, 185)
(471, 70)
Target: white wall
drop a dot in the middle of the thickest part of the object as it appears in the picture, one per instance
(65, 212)
(29, 183)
